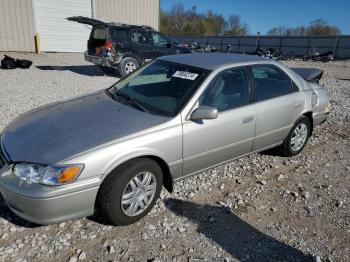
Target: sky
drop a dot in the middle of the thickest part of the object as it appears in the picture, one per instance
(261, 16)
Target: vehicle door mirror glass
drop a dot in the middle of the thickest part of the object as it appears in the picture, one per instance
(204, 112)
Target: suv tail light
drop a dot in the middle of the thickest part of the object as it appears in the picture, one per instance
(108, 45)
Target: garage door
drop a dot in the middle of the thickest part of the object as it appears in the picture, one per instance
(56, 33)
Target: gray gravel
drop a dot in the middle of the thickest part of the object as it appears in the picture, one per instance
(52, 77)
(258, 208)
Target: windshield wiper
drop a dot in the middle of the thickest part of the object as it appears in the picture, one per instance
(132, 101)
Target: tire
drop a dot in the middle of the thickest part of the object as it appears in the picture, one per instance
(128, 65)
(119, 184)
(288, 148)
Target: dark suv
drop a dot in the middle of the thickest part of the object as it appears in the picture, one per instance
(124, 47)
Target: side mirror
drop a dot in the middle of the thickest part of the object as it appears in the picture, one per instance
(204, 112)
(168, 45)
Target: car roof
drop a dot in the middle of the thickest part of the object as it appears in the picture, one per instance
(211, 61)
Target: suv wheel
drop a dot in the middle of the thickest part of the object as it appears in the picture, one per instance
(297, 138)
(131, 191)
(128, 65)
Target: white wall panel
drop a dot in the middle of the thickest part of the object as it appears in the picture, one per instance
(56, 33)
(138, 12)
(16, 26)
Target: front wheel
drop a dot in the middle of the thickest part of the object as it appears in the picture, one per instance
(297, 138)
(130, 192)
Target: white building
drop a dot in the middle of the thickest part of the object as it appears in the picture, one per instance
(22, 20)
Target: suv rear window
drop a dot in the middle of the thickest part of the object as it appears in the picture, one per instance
(100, 33)
(118, 35)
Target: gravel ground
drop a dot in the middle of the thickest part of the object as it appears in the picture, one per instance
(258, 208)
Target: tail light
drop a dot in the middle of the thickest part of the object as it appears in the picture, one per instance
(108, 45)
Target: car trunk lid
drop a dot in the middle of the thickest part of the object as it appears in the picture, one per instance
(313, 75)
(86, 20)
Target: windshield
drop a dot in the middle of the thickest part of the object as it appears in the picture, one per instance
(160, 88)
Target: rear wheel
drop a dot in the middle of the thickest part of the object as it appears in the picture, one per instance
(128, 65)
(131, 191)
(297, 138)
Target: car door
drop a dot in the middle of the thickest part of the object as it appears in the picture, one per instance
(278, 105)
(209, 142)
(162, 45)
(140, 44)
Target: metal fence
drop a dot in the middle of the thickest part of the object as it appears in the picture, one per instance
(298, 45)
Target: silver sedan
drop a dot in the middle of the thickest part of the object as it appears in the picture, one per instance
(114, 149)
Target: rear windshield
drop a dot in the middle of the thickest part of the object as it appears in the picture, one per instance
(100, 33)
(161, 87)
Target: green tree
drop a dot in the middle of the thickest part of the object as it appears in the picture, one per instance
(321, 27)
(179, 21)
(234, 26)
(317, 27)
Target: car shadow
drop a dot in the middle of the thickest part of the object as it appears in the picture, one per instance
(87, 70)
(11, 217)
(271, 152)
(235, 236)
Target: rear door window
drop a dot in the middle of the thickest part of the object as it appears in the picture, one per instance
(119, 35)
(139, 37)
(271, 82)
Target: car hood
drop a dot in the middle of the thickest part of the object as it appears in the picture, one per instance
(52, 133)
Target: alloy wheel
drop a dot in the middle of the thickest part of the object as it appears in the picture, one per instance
(130, 67)
(138, 194)
(299, 137)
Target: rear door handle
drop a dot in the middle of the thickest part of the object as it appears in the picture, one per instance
(248, 119)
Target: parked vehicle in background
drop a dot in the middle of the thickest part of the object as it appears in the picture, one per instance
(316, 56)
(124, 47)
(178, 115)
(195, 47)
(272, 53)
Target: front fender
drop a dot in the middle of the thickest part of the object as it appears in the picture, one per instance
(128, 155)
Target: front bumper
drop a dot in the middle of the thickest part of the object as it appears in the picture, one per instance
(48, 204)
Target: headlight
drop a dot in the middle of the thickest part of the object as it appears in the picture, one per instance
(47, 174)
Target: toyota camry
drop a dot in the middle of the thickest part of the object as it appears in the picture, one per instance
(114, 150)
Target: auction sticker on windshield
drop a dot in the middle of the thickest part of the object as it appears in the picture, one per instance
(185, 75)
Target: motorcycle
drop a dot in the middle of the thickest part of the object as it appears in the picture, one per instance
(196, 48)
(313, 55)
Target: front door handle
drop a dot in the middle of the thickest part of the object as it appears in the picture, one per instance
(248, 119)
